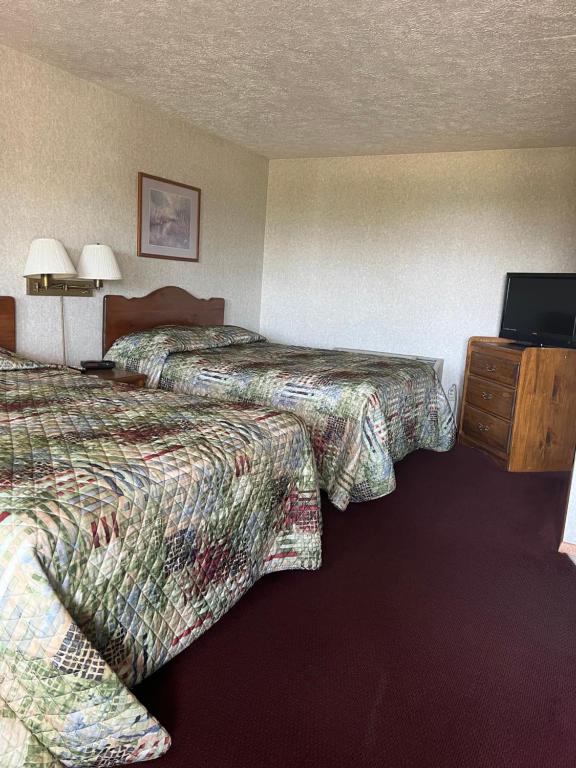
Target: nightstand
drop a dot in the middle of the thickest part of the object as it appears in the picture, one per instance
(119, 375)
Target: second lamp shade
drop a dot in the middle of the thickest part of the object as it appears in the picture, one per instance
(97, 262)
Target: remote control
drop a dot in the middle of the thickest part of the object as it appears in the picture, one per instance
(97, 365)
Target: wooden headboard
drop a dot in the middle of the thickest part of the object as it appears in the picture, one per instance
(8, 323)
(166, 306)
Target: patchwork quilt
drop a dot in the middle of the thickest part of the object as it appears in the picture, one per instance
(364, 412)
(130, 521)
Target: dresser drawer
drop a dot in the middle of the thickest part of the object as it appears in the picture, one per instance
(491, 397)
(488, 431)
(494, 367)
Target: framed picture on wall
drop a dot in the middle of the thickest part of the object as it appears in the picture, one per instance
(168, 219)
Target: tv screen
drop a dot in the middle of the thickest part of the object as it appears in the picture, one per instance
(540, 309)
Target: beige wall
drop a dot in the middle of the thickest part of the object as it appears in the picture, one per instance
(69, 156)
(408, 253)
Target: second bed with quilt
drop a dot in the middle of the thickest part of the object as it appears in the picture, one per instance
(364, 412)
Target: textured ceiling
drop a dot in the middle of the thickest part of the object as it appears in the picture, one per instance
(288, 78)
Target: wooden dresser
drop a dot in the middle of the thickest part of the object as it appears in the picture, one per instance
(519, 404)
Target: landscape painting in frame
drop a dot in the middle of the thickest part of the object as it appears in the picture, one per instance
(168, 219)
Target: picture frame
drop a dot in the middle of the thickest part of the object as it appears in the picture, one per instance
(168, 224)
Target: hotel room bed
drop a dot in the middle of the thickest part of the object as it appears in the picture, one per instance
(129, 523)
(364, 412)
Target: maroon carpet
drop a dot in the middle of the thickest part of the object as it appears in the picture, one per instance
(440, 631)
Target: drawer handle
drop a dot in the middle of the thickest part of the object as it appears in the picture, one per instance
(487, 396)
(483, 427)
(490, 368)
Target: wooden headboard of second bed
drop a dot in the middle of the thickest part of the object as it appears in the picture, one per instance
(7, 323)
(166, 306)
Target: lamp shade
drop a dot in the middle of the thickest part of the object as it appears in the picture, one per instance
(97, 262)
(48, 257)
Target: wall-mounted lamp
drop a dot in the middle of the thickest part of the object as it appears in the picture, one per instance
(48, 269)
(98, 263)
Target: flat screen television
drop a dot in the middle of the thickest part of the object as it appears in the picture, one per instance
(540, 309)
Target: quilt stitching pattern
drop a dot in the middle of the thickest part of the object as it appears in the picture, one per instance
(130, 521)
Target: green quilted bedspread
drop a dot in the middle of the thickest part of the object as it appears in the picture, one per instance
(130, 521)
(364, 412)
